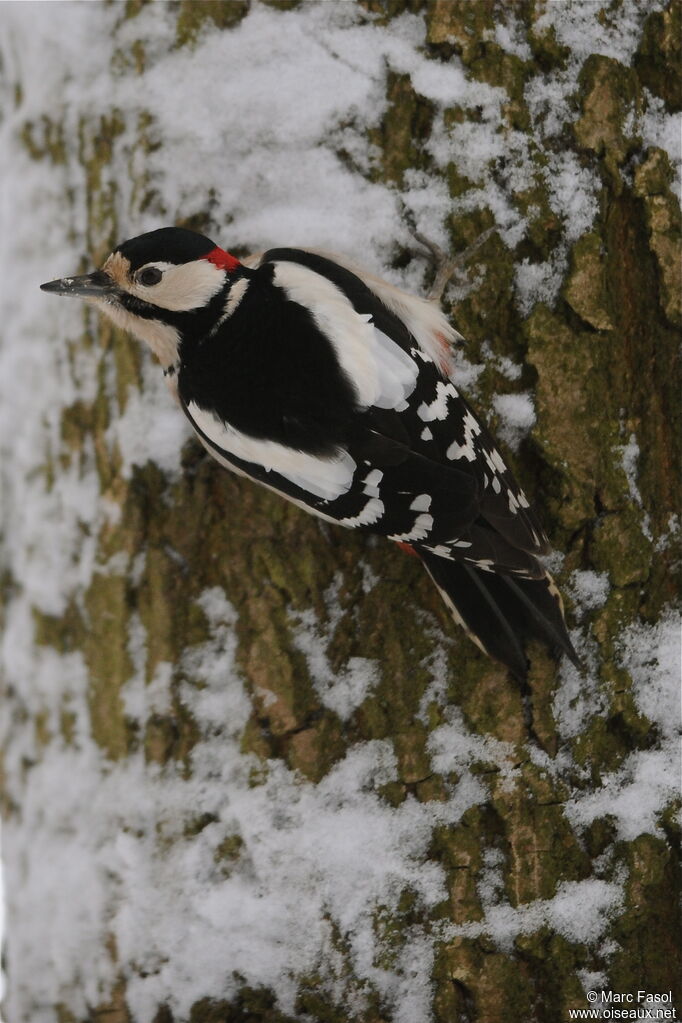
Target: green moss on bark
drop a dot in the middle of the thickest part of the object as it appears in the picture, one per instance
(106, 652)
(44, 140)
(654, 184)
(405, 127)
(585, 289)
(193, 17)
(658, 60)
(653, 876)
(609, 95)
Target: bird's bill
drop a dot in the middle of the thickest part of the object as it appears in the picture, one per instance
(94, 285)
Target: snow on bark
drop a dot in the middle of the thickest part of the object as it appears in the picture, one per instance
(248, 764)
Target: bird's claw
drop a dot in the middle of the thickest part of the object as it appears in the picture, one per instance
(447, 266)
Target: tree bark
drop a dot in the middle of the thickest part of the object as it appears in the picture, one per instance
(227, 692)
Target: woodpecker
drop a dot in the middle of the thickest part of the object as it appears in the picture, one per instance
(335, 389)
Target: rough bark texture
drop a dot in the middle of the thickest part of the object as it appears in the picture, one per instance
(603, 362)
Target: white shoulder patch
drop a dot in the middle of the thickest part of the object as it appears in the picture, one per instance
(381, 372)
(327, 478)
(423, 318)
(396, 371)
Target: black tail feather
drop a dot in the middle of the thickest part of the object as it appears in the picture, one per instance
(543, 603)
(502, 613)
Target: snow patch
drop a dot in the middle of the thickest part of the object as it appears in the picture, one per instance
(648, 780)
(343, 690)
(589, 589)
(580, 911)
(517, 417)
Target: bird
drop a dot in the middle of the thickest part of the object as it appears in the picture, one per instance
(332, 387)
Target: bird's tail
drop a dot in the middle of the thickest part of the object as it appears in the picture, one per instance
(502, 612)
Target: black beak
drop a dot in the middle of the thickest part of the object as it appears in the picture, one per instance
(94, 285)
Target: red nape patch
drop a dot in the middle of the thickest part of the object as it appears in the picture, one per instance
(223, 260)
(407, 547)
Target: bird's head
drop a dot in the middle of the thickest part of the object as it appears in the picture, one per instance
(159, 286)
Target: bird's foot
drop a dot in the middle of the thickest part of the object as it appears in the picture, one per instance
(447, 266)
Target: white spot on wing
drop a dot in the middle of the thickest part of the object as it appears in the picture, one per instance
(374, 508)
(421, 503)
(496, 458)
(466, 449)
(371, 513)
(327, 478)
(441, 550)
(372, 481)
(485, 564)
(438, 408)
(420, 530)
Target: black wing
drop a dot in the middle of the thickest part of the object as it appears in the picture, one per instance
(432, 447)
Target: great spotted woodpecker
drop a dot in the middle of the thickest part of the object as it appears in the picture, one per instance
(335, 389)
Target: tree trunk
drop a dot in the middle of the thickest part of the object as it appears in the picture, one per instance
(250, 768)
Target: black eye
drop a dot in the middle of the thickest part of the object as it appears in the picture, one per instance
(152, 275)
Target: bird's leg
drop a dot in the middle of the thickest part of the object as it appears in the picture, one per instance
(448, 266)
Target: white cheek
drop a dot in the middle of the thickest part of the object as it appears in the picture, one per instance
(183, 288)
